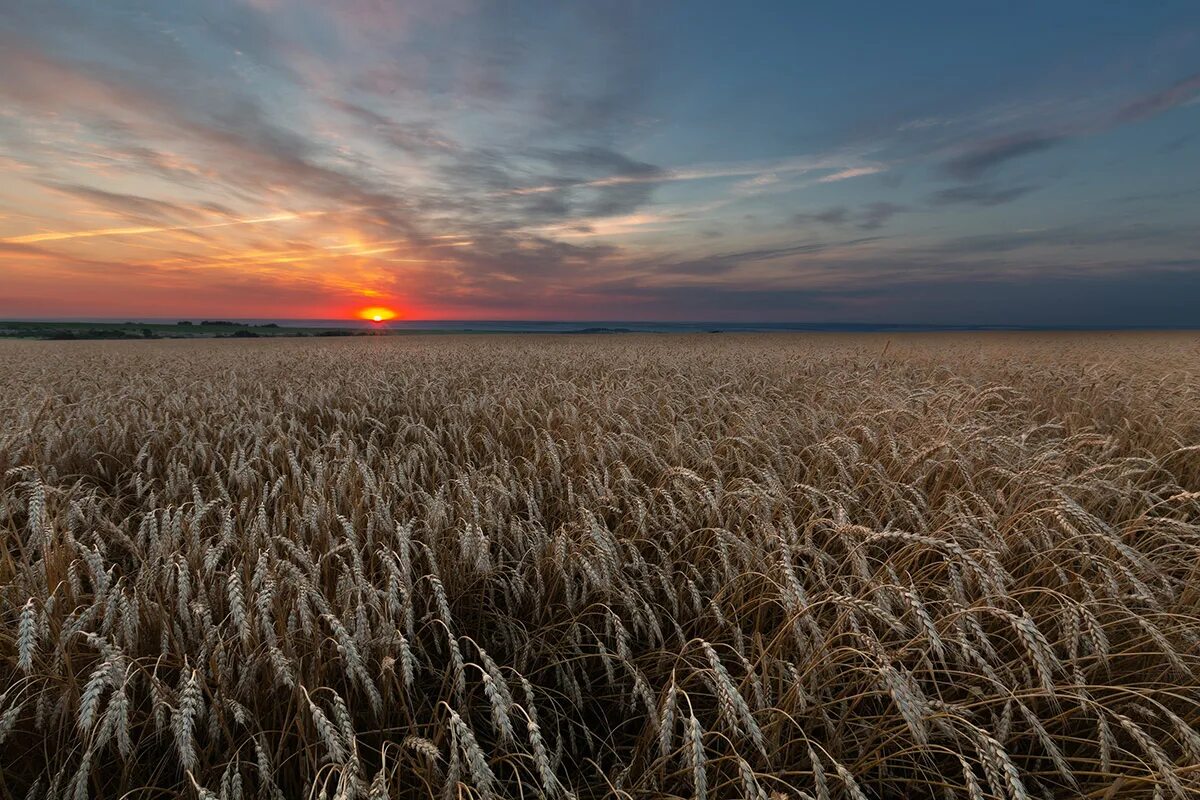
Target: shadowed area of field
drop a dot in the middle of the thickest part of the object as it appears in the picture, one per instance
(818, 565)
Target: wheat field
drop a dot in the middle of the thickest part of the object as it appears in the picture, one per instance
(777, 566)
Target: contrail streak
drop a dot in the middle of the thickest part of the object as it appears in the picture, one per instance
(56, 236)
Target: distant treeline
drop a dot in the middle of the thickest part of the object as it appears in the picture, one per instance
(118, 333)
(228, 324)
(98, 333)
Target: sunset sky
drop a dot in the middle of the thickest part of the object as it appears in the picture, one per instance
(935, 162)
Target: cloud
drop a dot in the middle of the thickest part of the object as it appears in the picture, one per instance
(415, 138)
(131, 205)
(1104, 239)
(141, 230)
(724, 263)
(979, 158)
(124, 106)
(1180, 93)
(757, 173)
(836, 215)
(905, 288)
(622, 186)
(871, 216)
(876, 215)
(851, 172)
(539, 186)
(984, 157)
(979, 195)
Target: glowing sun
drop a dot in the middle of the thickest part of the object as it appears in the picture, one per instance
(377, 314)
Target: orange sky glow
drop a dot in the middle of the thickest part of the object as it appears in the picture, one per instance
(305, 264)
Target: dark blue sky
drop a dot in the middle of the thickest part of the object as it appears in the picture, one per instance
(1020, 163)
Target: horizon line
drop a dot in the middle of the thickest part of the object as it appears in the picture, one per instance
(814, 325)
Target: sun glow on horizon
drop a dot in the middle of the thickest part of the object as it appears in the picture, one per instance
(377, 314)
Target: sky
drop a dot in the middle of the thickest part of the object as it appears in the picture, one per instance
(933, 162)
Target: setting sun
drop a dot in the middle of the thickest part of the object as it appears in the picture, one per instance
(377, 314)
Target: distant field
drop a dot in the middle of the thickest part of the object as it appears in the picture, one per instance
(799, 565)
(159, 330)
